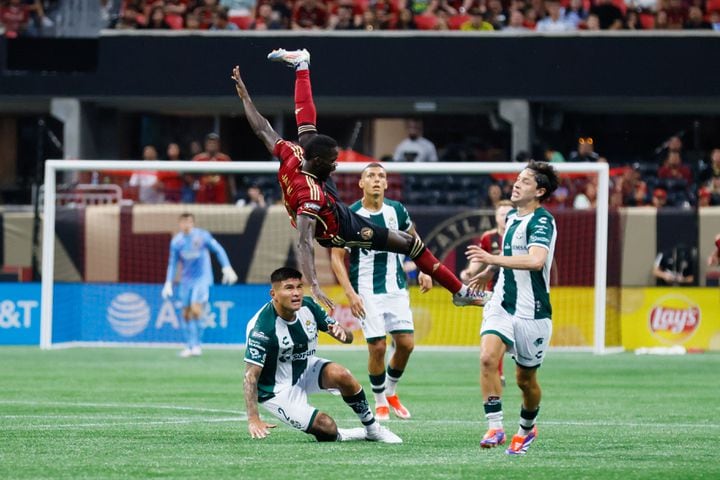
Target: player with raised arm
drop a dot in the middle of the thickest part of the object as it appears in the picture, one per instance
(377, 291)
(281, 367)
(190, 249)
(312, 201)
(518, 317)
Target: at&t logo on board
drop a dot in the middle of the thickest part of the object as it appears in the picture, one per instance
(128, 314)
(674, 319)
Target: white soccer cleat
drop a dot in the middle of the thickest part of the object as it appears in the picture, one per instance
(378, 433)
(351, 434)
(196, 351)
(469, 298)
(291, 58)
(186, 353)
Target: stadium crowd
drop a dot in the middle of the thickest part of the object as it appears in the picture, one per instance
(30, 17)
(467, 15)
(666, 181)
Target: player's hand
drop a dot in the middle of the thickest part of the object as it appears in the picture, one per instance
(167, 291)
(477, 283)
(321, 297)
(337, 331)
(239, 84)
(425, 281)
(259, 429)
(229, 276)
(357, 307)
(477, 254)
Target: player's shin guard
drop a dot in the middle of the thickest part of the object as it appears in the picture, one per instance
(430, 265)
(527, 420)
(191, 332)
(360, 406)
(305, 113)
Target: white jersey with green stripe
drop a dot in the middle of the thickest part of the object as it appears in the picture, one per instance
(526, 293)
(379, 272)
(283, 348)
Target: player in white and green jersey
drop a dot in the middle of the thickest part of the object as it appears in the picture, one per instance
(518, 317)
(376, 288)
(281, 368)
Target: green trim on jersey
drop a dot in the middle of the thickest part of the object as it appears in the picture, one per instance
(510, 293)
(266, 325)
(505, 340)
(542, 230)
(404, 222)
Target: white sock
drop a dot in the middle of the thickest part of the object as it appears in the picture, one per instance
(302, 66)
(495, 419)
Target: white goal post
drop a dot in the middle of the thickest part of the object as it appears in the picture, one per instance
(52, 167)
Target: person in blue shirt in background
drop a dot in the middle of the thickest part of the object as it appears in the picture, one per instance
(190, 248)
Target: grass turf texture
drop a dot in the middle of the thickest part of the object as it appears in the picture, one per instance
(144, 413)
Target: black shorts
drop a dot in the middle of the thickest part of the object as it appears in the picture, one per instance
(356, 231)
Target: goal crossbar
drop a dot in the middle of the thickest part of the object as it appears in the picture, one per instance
(52, 167)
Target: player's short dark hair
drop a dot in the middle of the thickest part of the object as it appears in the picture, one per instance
(320, 146)
(284, 273)
(545, 176)
(373, 165)
(185, 215)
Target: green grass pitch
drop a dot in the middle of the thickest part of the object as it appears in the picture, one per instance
(145, 413)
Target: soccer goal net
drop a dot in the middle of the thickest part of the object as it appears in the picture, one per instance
(108, 226)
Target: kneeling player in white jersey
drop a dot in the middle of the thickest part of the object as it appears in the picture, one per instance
(377, 291)
(517, 319)
(281, 368)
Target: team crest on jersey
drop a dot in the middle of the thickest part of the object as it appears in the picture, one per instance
(310, 327)
(366, 233)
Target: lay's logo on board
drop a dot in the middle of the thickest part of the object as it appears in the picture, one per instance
(674, 319)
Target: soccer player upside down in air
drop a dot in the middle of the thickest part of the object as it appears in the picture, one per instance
(311, 199)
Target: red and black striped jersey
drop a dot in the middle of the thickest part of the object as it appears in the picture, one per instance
(303, 193)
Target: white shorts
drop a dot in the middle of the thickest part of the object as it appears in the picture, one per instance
(291, 405)
(526, 339)
(386, 313)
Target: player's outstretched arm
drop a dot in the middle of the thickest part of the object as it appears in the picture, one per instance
(258, 123)
(256, 427)
(337, 262)
(306, 254)
(534, 260)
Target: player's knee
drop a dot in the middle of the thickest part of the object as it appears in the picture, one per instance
(404, 344)
(525, 379)
(377, 348)
(489, 361)
(324, 428)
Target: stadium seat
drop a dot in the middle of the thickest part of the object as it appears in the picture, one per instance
(647, 20)
(456, 21)
(425, 22)
(175, 21)
(243, 22)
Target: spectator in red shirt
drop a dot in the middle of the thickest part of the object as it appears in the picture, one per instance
(15, 17)
(659, 198)
(309, 15)
(214, 188)
(206, 13)
(673, 168)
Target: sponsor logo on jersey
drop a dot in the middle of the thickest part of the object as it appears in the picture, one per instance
(128, 314)
(311, 206)
(674, 319)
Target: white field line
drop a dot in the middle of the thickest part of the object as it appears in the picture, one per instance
(131, 424)
(241, 416)
(149, 406)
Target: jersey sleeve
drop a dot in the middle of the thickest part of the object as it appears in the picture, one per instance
(257, 347)
(172, 262)
(310, 199)
(287, 151)
(404, 221)
(540, 231)
(322, 319)
(215, 247)
(486, 241)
